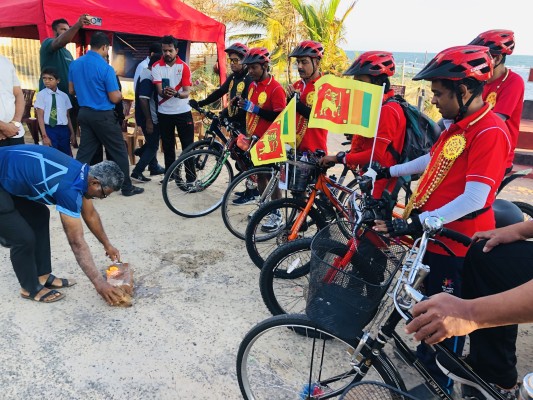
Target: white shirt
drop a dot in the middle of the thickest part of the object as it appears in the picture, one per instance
(43, 101)
(142, 65)
(8, 80)
(177, 74)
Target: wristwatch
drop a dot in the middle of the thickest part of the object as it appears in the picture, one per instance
(177, 95)
(341, 157)
(16, 123)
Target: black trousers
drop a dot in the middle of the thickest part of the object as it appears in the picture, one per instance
(24, 229)
(102, 128)
(183, 123)
(493, 350)
(11, 141)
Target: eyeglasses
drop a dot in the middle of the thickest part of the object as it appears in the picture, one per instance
(234, 60)
(103, 193)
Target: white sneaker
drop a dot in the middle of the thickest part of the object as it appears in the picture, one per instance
(273, 222)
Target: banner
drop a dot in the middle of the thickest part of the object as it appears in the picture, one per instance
(346, 106)
(271, 147)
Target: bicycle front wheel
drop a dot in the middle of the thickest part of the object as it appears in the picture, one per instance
(242, 199)
(270, 226)
(196, 182)
(274, 362)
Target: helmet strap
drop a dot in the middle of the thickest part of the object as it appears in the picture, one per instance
(463, 108)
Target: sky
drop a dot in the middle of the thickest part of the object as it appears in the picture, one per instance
(433, 25)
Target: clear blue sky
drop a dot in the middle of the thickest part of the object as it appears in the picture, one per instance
(433, 25)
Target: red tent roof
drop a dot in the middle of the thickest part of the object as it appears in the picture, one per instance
(32, 19)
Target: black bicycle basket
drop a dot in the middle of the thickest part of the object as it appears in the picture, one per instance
(370, 390)
(349, 278)
(301, 174)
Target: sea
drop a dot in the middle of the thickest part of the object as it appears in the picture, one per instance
(411, 63)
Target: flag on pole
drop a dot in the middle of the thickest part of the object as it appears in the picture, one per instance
(346, 106)
(271, 147)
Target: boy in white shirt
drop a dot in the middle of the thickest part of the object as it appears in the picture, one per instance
(51, 106)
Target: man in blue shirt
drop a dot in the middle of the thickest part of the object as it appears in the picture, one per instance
(94, 83)
(32, 177)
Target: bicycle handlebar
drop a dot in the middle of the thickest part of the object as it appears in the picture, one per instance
(456, 236)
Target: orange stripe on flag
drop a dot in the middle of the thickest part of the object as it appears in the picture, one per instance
(356, 101)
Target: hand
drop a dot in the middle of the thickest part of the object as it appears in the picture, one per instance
(169, 92)
(194, 104)
(328, 161)
(505, 235)
(84, 20)
(9, 130)
(111, 294)
(381, 172)
(400, 227)
(149, 127)
(47, 141)
(112, 253)
(441, 316)
(248, 106)
(290, 91)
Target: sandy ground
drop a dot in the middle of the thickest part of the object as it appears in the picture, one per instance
(196, 296)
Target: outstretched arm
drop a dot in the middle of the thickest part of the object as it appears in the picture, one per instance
(67, 37)
(507, 234)
(93, 221)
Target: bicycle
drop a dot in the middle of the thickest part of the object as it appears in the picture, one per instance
(195, 183)
(302, 217)
(374, 391)
(350, 320)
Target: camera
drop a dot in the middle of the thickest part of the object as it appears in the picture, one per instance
(94, 20)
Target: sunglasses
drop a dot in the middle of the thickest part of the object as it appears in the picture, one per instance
(234, 60)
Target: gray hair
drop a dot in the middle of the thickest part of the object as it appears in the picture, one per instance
(108, 174)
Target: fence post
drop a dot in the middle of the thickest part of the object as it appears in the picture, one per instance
(421, 97)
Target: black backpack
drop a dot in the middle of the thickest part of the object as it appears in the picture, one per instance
(421, 132)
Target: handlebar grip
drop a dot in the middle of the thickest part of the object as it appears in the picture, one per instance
(456, 236)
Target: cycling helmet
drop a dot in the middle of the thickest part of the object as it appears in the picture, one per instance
(308, 48)
(372, 63)
(506, 213)
(238, 48)
(499, 41)
(257, 55)
(458, 63)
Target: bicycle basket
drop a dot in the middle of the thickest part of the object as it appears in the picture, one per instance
(301, 174)
(349, 277)
(370, 390)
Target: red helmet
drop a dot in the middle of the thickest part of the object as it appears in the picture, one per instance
(257, 55)
(308, 48)
(499, 41)
(457, 63)
(372, 63)
(238, 48)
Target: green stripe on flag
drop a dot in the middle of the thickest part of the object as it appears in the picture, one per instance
(285, 128)
(365, 112)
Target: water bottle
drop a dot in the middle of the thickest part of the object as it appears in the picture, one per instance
(526, 391)
(301, 174)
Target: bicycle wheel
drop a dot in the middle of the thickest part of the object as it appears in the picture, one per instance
(195, 183)
(237, 215)
(204, 144)
(527, 209)
(264, 233)
(275, 363)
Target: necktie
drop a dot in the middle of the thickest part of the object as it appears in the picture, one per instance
(52, 121)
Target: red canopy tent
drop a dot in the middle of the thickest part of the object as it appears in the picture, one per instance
(32, 19)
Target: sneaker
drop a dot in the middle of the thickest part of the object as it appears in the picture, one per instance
(158, 171)
(139, 178)
(255, 192)
(245, 199)
(133, 191)
(273, 222)
(471, 389)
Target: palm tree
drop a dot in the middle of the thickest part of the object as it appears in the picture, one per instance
(322, 25)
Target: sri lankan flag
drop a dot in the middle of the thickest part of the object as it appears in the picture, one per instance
(346, 106)
(271, 147)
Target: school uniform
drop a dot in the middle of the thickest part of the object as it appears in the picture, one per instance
(57, 130)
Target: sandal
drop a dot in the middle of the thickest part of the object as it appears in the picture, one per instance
(49, 284)
(43, 298)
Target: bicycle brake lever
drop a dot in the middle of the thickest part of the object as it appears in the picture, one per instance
(443, 246)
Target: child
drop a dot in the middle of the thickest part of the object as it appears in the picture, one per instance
(51, 106)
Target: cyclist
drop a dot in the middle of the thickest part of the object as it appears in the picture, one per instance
(266, 99)
(505, 90)
(376, 67)
(460, 175)
(236, 85)
(498, 283)
(308, 54)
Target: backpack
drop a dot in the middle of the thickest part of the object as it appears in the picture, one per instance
(420, 132)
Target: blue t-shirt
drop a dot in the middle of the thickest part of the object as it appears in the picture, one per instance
(93, 79)
(45, 175)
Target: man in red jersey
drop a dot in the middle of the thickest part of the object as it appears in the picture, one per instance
(505, 90)
(308, 54)
(376, 67)
(459, 181)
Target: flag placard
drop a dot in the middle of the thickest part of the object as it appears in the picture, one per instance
(346, 106)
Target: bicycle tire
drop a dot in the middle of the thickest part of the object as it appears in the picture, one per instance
(260, 244)
(206, 193)
(203, 145)
(374, 391)
(283, 292)
(274, 363)
(527, 209)
(236, 217)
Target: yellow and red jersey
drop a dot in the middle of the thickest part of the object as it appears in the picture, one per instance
(268, 94)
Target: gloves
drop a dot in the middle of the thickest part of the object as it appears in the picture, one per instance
(400, 227)
(381, 172)
(194, 104)
(250, 107)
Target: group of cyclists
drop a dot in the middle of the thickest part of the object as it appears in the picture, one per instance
(480, 101)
